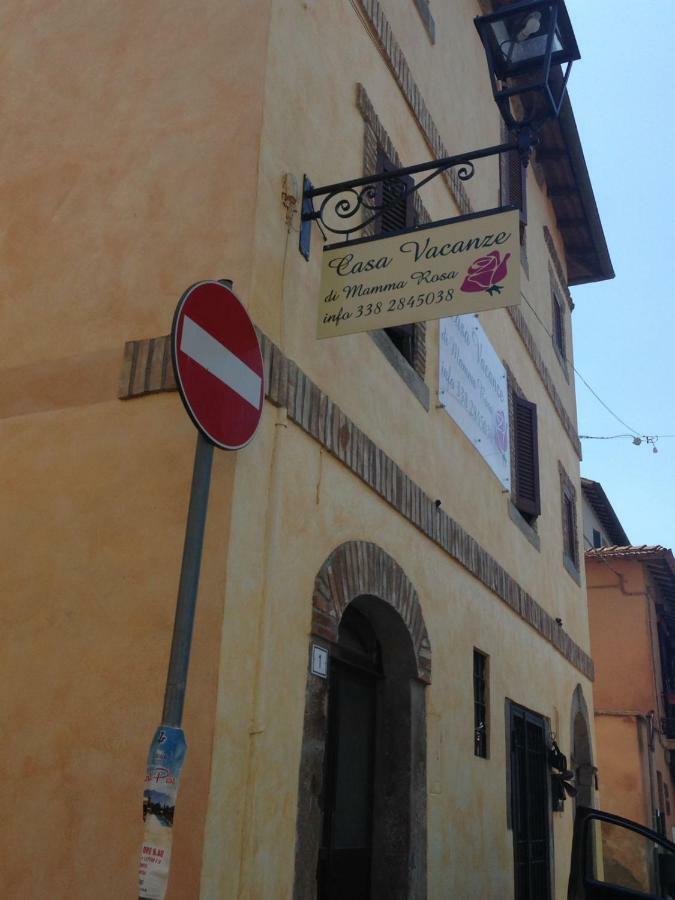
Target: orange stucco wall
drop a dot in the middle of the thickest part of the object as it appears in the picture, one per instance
(620, 636)
(627, 689)
(123, 142)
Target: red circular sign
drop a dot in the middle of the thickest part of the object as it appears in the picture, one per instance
(218, 364)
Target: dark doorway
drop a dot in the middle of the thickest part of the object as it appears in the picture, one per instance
(346, 847)
(530, 805)
(361, 823)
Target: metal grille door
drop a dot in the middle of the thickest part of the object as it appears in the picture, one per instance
(529, 805)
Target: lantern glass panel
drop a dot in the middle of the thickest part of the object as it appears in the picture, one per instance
(520, 40)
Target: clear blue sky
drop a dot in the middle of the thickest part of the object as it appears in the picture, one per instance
(623, 95)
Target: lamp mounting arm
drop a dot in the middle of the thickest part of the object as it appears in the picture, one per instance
(342, 202)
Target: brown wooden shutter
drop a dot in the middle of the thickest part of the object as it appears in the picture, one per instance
(396, 217)
(526, 450)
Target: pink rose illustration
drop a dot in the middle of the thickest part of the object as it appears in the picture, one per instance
(501, 437)
(485, 273)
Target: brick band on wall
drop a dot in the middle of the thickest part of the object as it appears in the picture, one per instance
(313, 411)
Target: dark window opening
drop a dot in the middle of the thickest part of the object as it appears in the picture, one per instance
(526, 497)
(399, 214)
(597, 538)
(559, 327)
(480, 704)
(570, 529)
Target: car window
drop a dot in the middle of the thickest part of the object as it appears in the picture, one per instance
(619, 856)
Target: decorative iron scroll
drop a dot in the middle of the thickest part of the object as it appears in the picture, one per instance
(346, 202)
(342, 202)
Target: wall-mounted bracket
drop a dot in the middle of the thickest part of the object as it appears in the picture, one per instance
(305, 239)
(347, 207)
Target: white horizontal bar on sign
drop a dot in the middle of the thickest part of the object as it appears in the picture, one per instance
(220, 362)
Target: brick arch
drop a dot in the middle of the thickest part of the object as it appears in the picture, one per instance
(581, 748)
(356, 568)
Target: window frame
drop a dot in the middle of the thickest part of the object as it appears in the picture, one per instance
(570, 524)
(569, 541)
(525, 455)
(399, 335)
(558, 329)
(375, 137)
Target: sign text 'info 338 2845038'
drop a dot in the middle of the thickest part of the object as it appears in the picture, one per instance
(446, 269)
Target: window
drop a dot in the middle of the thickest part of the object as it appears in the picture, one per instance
(526, 497)
(559, 327)
(568, 500)
(568, 506)
(480, 704)
(570, 528)
(399, 214)
(597, 538)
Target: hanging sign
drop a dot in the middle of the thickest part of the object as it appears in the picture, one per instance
(165, 761)
(461, 266)
(472, 386)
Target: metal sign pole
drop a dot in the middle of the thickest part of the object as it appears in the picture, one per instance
(168, 748)
(220, 377)
(179, 661)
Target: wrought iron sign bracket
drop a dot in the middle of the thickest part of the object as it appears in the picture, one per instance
(342, 202)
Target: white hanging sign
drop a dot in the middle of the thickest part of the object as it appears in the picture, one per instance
(473, 390)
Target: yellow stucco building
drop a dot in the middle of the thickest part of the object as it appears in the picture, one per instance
(150, 146)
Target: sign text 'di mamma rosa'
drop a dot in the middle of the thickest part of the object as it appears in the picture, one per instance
(464, 266)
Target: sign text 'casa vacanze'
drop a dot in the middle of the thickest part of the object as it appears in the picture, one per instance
(463, 266)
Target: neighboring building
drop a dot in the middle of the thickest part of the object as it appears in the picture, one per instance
(631, 594)
(631, 598)
(601, 526)
(147, 147)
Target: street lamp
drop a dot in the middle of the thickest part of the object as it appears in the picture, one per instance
(525, 43)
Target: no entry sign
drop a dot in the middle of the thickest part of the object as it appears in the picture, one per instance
(218, 364)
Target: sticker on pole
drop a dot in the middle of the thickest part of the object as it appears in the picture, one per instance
(165, 761)
(218, 364)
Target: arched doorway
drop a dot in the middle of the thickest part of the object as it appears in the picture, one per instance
(361, 828)
(581, 750)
